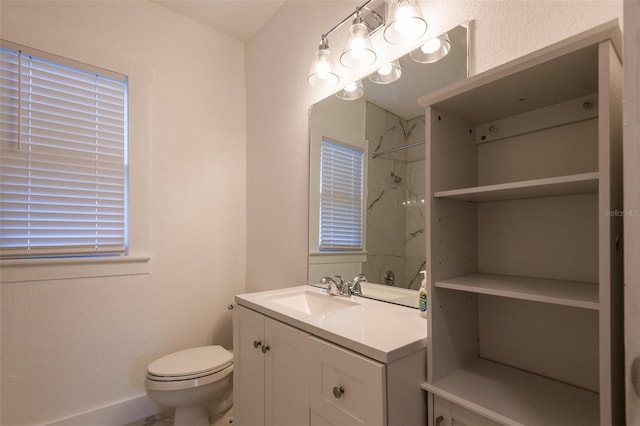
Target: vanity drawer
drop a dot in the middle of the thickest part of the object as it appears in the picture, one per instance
(345, 388)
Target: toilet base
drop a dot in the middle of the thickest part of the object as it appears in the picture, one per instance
(191, 416)
(222, 419)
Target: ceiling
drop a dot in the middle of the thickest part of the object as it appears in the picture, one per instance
(239, 19)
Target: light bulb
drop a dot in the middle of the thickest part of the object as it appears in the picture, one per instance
(321, 74)
(406, 23)
(357, 47)
(433, 50)
(387, 73)
(351, 87)
(385, 69)
(351, 91)
(358, 52)
(322, 70)
(431, 46)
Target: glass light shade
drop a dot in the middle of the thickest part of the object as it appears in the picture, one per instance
(351, 91)
(321, 74)
(388, 73)
(433, 50)
(358, 51)
(405, 23)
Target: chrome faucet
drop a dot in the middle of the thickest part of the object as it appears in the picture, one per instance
(355, 287)
(340, 287)
(336, 288)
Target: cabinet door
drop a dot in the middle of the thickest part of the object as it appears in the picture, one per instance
(441, 412)
(446, 413)
(345, 388)
(463, 417)
(248, 367)
(286, 381)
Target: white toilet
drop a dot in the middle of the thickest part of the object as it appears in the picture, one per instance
(197, 382)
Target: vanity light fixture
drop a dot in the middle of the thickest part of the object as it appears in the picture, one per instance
(321, 74)
(388, 73)
(351, 91)
(433, 50)
(405, 23)
(358, 50)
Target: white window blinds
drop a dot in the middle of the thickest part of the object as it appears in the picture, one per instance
(63, 157)
(341, 197)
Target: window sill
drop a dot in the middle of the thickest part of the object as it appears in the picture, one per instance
(20, 270)
(337, 257)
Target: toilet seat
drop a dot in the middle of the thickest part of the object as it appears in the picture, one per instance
(152, 383)
(189, 368)
(190, 364)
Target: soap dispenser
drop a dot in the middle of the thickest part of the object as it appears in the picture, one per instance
(422, 295)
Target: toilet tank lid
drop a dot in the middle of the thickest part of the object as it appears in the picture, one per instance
(192, 361)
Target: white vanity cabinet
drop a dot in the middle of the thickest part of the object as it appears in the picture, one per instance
(345, 389)
(361, 363)
(524, 252)
(270, 377)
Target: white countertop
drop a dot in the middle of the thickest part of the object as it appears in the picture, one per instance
(381, 331)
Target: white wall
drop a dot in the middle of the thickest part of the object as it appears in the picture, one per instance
(278, 60)
(73, 346)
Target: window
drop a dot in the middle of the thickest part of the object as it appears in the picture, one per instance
(341, 197)
(63, 157)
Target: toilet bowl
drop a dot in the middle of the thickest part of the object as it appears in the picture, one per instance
(196, 382)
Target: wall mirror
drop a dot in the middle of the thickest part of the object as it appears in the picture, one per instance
(382, 134)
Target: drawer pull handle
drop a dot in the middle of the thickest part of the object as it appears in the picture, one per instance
(257, 343)
(338, 391)
(265, 349)
(439, 420)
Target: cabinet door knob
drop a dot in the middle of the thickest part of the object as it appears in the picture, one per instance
(257, 343)
(439, 420)
(265, 349)
(338, 391)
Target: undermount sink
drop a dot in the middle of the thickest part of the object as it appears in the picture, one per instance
(312, 303)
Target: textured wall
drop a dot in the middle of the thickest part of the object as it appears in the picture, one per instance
(72, 346)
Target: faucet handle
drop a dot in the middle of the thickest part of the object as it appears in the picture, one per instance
(344, 288)
(355, 287)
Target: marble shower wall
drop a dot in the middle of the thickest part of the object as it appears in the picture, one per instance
(395, 199)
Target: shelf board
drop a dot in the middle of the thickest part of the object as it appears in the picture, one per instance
(515, 397)
(568, 293)
(547, 187)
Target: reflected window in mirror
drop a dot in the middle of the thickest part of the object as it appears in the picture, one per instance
(341, 197)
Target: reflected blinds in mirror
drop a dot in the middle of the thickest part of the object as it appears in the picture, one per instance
(341, 197)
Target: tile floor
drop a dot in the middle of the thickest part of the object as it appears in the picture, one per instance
(166, 419)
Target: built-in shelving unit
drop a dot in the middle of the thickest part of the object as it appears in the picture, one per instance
(525, 288)
(568, 293)
(517, 397)
(561, 185)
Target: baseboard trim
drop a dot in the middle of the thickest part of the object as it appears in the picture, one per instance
(120, 413)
